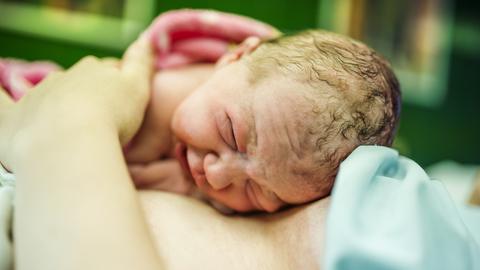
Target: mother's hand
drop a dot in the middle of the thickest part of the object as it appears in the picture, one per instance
(90, 94)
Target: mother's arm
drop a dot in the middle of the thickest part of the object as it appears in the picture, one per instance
(75, 205)
(189, 234)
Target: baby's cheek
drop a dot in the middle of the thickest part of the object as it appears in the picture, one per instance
(271, 201)
(299, 192)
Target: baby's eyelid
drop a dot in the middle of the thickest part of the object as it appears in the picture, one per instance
(224, 129)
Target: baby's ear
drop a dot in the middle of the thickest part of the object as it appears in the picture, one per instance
(246, 47)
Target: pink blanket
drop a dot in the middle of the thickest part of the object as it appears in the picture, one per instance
(180, 37)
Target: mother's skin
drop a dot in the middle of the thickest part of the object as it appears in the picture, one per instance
(191, 235)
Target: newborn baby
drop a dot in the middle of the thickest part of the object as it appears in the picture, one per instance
(270, 124)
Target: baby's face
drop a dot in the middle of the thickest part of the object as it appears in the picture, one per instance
(240, 143)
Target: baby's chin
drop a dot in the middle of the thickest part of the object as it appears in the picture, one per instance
(220, 207)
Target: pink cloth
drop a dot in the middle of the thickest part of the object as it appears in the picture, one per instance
(17, 76)
(186, 36)
(180, 37)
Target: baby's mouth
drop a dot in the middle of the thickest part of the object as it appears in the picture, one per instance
(181, 153)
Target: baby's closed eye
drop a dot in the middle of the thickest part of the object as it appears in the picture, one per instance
(227, 132)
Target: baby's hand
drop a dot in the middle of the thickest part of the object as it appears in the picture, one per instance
(163, 175)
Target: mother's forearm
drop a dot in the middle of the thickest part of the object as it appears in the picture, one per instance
(76, 207)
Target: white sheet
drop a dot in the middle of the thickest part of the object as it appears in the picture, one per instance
(6, 206)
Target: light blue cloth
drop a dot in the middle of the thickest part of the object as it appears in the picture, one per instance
(387, 214)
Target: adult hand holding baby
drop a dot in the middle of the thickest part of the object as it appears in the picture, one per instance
(91, 94)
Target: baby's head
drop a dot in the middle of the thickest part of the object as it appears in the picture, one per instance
(273, 123)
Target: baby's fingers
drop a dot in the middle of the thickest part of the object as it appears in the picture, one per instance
(160, 175)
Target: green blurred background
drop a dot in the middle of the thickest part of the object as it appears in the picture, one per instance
(445, 129)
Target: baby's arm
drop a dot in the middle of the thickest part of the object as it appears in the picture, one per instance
(149, 155)
(155, 139)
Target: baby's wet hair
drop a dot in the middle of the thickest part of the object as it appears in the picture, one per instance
(353, 93)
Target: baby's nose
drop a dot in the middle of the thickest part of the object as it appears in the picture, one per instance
(220, 173)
